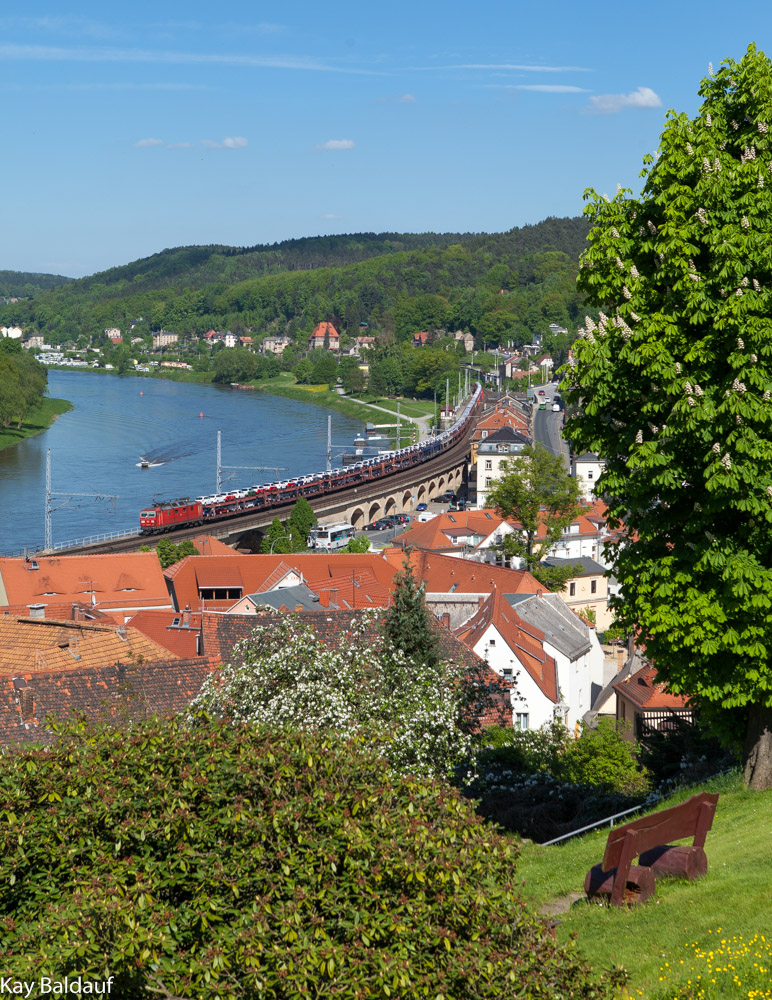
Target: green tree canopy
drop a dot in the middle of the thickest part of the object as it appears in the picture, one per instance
(302, 519)
(408, 622)
(537, 492)
(674, 389)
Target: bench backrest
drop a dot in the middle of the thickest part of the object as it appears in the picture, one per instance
(692, 818)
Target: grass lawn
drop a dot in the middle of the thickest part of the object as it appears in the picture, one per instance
(320, 395)
(656, 941)
(407, 407)
(38, 420)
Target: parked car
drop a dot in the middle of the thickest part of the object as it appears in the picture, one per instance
(401, 518)
(382, 523)
(421, 506)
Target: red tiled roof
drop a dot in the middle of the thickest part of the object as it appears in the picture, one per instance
(448, 574)
(181, 638)
(119, 692)
(438, 532)
(112, 582)
(643, 689)
(355, 590)
(527, 648)
(34, 644)
(261, 572)
(218, 576)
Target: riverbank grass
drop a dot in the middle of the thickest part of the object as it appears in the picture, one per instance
(407, 407)
(711, 928)
(37, 421)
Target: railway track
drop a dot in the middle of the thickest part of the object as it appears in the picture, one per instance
(324, 506)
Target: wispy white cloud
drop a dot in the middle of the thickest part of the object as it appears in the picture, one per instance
(543, 88)
(406, 99)
(179, 145)
(519, 67)
(337, 144)
(125, 86)
(147, 143)
(51, 53)
(611, 104)
(80, 27)
(229, 142)
(330, 216)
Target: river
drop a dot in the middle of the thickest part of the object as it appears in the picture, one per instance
(95, 449)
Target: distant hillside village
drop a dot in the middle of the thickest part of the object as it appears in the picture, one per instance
(327, 357)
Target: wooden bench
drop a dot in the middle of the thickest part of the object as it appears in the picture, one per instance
(648, 840)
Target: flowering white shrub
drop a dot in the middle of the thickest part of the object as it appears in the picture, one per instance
(416, 714)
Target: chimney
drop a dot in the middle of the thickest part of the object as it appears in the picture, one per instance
(333, 596)
(324, 598)
(186, 617)
(77, 613)
(37, 610)
(446, 619)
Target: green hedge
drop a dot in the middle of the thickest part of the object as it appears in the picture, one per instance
(229, 862)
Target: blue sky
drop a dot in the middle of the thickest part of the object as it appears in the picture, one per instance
(164, 124)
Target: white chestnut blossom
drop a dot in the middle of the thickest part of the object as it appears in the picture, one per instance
(745, 222)
(740, 341)
(635, 317)
(754, 359)
(756, 286)
(716, 448)
(762, 127)
(738, 386)
(634, 272)
(626, 292)
(697, 389)
(767, 396)
(678, 367)
(726, 461)
(652, 227)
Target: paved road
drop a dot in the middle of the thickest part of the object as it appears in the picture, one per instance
(547, 427)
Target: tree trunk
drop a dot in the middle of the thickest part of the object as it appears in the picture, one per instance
(758, 748)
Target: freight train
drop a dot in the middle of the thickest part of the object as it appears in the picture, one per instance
(185, 512)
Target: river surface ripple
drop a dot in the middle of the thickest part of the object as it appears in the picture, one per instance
(96, 446)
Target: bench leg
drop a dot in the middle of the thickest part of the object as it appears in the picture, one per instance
(686, 861)
(639, 885)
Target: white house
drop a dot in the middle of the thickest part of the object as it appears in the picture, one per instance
(164, 339)
(553, 659)
(501, 446)
(495, 634)
(587, 468)
(13, 332)
(574, 646)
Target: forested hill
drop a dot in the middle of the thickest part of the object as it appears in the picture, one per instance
(23, 284)
(360, 278)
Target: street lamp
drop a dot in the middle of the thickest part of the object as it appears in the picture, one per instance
(279, 539)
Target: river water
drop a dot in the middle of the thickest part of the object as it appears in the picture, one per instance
(95, 449)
